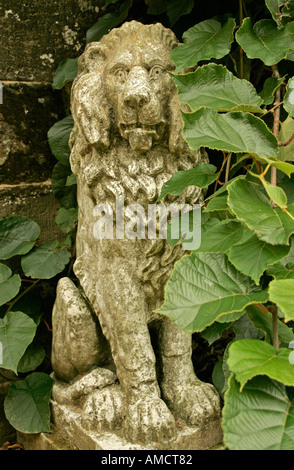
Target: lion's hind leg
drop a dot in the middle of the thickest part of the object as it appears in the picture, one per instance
(192, 400)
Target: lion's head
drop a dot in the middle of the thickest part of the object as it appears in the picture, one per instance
(123, 87)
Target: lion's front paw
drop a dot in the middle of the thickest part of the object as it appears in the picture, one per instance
(197, 403)
(149, 420)
(104, 410)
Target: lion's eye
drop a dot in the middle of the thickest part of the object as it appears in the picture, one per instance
(156, 71)
(121, 74)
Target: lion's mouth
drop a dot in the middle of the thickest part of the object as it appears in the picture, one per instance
(153, 128)
(141, 136)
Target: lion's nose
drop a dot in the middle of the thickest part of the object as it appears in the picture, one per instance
(137, 89)
(137, 100)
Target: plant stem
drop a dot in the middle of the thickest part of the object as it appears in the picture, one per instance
(241, 50)
(228, 167)
(273, 176)
(225, 156)
(284, 144)
(227, 175)
(276, 124)
(22, 294)
(275, 319)
(276, 103)
(288, 213)
(272, 109)
(276, 127)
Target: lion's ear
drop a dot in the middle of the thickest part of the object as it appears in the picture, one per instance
(92, 58)
(89, 107)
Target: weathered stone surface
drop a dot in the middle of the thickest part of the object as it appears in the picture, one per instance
(68, 433)
(74, 327)
(27, 113)
(69, 420)
(44, 441)
(37, 35)
(126, 142)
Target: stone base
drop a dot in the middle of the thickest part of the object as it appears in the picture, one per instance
(43, 441)
(68, 433)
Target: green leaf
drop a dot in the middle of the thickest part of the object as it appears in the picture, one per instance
(204, 287)
(66, 72)
(67, 218)
(281, 292)
(108, 21)
(196, 224)
(230, 317)
(263, 321)
(265, 41)
(251, 357)
(202, 176)
(30, 304)
(58, 137)
(71, 180)
(214, 332)
(45, 261)
(281, 10)
(206, 40)
(285, 167)
(67, 242)
(289, 97)
(213, 86)
(66, 195)
(252, 256)
(174, 8)
(286, 131)
(27, 403)
(226, 371)
(274, 8)
(178, 8)
(218, 378)
(250, 205)
(9, 285)
(290, 55)
(261, 417)
(17, 331)
(288, 186)
(17, 235)
(279, 271)
(220, 237)
(32, 358)
(218, 203)
(269, 88)
(231, 132)
(276, 194)
(244, 328)
(224, 188)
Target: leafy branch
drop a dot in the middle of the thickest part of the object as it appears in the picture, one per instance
(244, 267)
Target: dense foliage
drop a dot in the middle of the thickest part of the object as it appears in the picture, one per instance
(234, 71)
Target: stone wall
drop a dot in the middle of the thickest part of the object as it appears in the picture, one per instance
(36, 35)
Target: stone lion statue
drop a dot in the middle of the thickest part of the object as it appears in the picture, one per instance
(128, 367)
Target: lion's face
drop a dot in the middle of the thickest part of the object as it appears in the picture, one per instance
(124, 85)
(139, 87)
